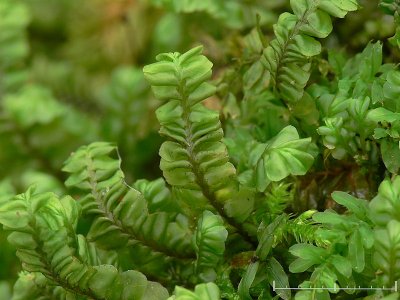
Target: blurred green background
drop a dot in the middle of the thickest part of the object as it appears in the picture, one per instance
(70, 74)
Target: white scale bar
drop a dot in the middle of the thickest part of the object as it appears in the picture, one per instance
(336, 288)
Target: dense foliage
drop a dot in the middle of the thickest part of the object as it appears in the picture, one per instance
(276, 162)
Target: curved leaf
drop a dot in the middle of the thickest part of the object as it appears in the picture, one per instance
(284, 155)
(209, 243)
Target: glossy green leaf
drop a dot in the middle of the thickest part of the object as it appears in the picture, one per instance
(342, 264)
(356, 252)
(308, 255)
(209, 244)
(247, 281)
(391, 155)
(284, 155)
(354, 205)
(383, 115)
(277, 277)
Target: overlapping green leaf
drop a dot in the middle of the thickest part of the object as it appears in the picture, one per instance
(284, 155)
(122, 214)
(387, 252)
(194, 158)
(209, 243)
(288, 56)
(157, 194)
(37, 286)
(43, 231)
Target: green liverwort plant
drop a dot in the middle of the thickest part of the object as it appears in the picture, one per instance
(292, 181)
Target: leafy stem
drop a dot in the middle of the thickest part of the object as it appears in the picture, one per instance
(108, 213)
(200, 180)
(283, 52)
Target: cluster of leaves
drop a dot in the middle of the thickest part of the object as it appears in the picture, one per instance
(282, 171)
